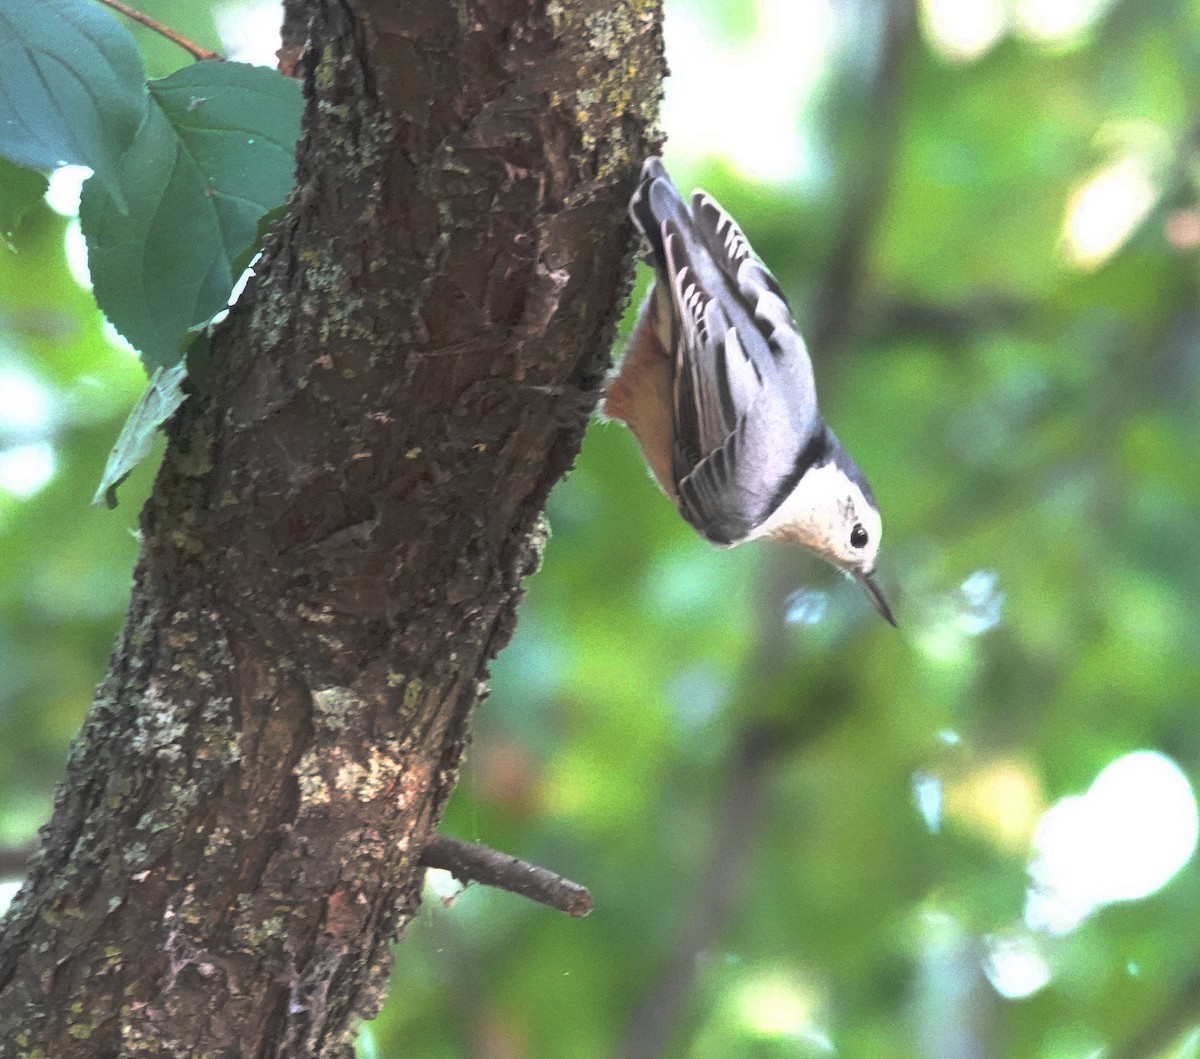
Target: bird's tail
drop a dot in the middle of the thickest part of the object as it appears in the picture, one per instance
(656, 200)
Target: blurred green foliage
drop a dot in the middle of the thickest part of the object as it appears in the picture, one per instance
(803, 839)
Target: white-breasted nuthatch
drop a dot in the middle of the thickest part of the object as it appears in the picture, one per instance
(717, 386)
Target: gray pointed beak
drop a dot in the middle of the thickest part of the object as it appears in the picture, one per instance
(875, 595)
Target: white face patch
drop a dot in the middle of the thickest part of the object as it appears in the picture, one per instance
(828, 514)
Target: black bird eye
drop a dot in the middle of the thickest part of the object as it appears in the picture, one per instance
(858, 536)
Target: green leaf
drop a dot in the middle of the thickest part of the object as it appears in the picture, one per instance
(214, 155)
(240, 123)
(20, 189)
(72, 87)
(156, 405)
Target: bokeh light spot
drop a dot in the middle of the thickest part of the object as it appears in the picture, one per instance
(1000, 800)
(8, 890)
(1014, 965)
(75, 247)
(1105, 209)
(250, 31)
(66, 185)
(779, 1005)
(1123, 840)
(957, 616)
(806, 606)
(963, 30)
(25, 469)
(708, 114)
(1058, 21)
(24, 402)
(929, 798)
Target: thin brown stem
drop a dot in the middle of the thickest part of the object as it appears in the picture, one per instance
(195, 50)
(470, 862)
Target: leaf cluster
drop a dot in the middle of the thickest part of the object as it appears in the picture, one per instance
(184, 168)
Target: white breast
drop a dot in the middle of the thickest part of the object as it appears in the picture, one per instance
(810, 513)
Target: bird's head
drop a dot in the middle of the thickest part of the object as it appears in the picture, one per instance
(833, 513)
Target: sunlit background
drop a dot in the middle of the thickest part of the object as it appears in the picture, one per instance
(807, 834)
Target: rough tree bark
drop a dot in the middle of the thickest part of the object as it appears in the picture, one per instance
(336, 542)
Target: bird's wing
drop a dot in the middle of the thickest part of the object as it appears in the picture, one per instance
(746, 420)
(746, 423)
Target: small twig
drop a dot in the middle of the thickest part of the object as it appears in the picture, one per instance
(470, 862)
(192, 49)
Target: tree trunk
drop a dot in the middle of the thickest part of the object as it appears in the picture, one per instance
(336, 542)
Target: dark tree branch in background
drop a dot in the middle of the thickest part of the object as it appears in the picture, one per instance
(953, 322)
(834, 312)
(711, 909)
(722, 879)
(195, 50)
(337, 540)
(470, 862)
